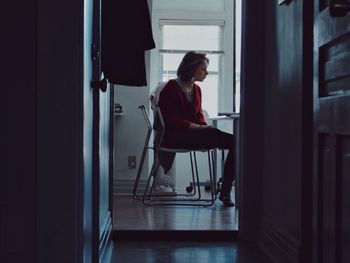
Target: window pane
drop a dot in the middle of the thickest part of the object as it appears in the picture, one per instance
(171, 61)
(210, 94)
(192, 37)
(213, 62)
(195, 5)
(168, 75)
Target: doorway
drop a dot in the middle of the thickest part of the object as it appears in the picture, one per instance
(168, 19)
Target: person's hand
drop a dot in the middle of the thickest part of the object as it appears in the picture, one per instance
(199, 126)
(205, 126)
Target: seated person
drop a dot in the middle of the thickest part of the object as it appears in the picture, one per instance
(180, 104)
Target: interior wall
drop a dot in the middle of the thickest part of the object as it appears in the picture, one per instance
(283, 132)
(18, 133)
(129, 136)
(59, 131)
(251, 119)
(40, 209)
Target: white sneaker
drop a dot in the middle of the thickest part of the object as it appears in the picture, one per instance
(165, 190)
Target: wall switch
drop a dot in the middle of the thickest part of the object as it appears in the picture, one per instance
(132, 162)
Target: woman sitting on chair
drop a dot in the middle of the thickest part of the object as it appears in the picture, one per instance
(180, 104)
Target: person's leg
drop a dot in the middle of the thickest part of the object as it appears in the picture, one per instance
(213, 138)
(205, 139)
(229, 174)
(227, 180)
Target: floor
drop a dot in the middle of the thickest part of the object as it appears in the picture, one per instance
(130, 214)
(186, 252)
(177, 234)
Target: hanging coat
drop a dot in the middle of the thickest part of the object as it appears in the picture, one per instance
(126, 35)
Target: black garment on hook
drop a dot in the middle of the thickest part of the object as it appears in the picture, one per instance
(126, 34)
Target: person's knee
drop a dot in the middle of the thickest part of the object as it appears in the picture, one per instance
(214, 131)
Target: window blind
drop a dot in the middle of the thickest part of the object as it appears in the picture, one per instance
(180, 36)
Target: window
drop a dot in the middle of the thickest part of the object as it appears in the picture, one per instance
(178, 37)
(238, 37)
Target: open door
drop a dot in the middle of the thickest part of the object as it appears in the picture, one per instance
(331, 213)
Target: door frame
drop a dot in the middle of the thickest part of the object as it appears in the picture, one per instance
(251, 114)
(101, 231)
(306, 204)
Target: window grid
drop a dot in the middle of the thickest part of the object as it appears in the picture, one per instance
(170, 59)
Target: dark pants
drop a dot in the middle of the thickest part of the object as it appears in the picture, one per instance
(211, 138)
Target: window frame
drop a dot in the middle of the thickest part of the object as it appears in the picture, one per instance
(219, 53)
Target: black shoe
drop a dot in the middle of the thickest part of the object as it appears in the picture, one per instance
(226, 200)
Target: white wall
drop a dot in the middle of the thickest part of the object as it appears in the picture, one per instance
(130, 128)
(130, 132)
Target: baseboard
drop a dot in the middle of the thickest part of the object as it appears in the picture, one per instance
(124, 187)
(278, 246)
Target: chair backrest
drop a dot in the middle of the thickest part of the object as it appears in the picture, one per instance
(158, 122)
(157, 127)
(154, 98)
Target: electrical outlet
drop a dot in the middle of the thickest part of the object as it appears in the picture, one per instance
(132, 162)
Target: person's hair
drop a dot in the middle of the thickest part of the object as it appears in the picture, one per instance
(189, 65)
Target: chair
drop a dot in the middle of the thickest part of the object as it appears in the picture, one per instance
(149, 197)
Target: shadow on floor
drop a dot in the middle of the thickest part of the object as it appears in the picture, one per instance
(130, 214)
(186, 252)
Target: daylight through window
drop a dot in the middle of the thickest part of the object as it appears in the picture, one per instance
(179, 37)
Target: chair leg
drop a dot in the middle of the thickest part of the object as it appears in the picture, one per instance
(138, 176)
(197, 174)
(193, 173)
(144, 152)
(212, 175)
(214, 163)
(193, 183)
(149, 186)
(148, 182)
(149, 199)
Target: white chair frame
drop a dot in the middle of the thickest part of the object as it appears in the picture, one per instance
(189, 199)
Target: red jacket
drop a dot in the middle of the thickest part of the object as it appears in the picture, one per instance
(177, 111)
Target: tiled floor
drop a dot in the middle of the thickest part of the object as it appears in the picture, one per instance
(186, 252)
(130, 214)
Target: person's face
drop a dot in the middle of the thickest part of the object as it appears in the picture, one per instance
(201, 71)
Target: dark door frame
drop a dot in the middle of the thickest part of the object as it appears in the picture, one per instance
(101, 231)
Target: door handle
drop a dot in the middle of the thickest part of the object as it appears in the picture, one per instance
(339, 8)
(99, 84)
